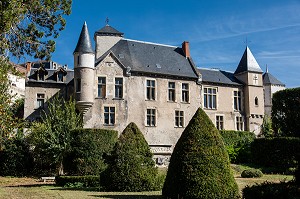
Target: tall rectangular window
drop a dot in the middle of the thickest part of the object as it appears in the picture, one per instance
(151, 117)
(109, 115)
(41, 76)
(40, 100)
(185, 92)
(171, 92)
(60, 77)
(101, 87)
(210, 98)
(119, 88)
(78, 85)
(150, 89)
(220, 122)
(239, 123)
(237, 100)
(179, 118)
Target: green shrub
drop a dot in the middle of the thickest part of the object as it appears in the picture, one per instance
(131, 167)
(251, 173)
(77, 181)
(269, 190)
(199, 165)
(279, 153)
(88, 148)
(286, 112)
(15, 158)
(238, 145)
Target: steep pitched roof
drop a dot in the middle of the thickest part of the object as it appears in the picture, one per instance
(268, 78)
(152, 58)
(108, 30)
(84, 44)
(248, 63)
(218, 77)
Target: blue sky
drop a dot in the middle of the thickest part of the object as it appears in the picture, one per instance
(216, 29)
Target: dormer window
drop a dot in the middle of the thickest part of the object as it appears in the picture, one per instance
(41, 76)
(60, 77)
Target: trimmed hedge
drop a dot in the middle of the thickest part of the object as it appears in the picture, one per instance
(89, 147)
(87, 181)
(238, 145)
(269, 190)
(131, 167)
(199, 167)
(251, 173)
(279, 153)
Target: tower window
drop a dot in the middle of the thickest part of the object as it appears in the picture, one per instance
(256, 101)
(78, 85)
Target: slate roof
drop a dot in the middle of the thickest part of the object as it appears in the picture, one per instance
(152, 58)
(84, 44)
(268, 78)
(108, 30)
(51, 76)
(248, 63)
(218, 77)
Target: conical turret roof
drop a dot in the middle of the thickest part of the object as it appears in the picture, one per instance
(84, 44)
(268, 78)
(248, 63)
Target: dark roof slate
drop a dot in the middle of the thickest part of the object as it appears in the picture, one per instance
(108, 30)
(218, 77)
(84, 44)
(51, 76)
(268, 78)
(152, 58)
(248, 63)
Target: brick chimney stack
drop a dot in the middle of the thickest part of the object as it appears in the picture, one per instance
(186, 49)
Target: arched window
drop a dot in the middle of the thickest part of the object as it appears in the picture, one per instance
(256, 101)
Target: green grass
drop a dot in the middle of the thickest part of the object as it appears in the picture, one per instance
(25, 188)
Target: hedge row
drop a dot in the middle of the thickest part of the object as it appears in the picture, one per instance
(238, 145)
(88, 150)
(87, 181)
(279, 153)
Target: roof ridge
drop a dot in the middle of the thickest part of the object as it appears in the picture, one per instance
(151, 43)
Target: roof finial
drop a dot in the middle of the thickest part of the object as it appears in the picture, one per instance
(267, 70)
(246, 42)
(106, 21)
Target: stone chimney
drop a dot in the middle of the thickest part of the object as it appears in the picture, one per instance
(186, 49)
(28, 67)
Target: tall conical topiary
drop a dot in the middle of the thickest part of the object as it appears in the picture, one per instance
(131, 167)
(199, 166)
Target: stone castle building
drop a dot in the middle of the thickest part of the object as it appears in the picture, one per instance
(154, 85)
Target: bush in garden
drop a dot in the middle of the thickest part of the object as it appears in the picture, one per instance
(238, 145)
(199, 166)
(78, 181)
(88, 148)
(131, 167)
(251, 173)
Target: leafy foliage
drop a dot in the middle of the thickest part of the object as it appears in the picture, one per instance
(286, 112)
(131, 167)
(266, 127)
(16, 159)
(238, 145)
(51, 138)
(251, 173)
(199, 166)
(28, 26)
(279, 153)
(75, 181)
(267, 190)
(88, 149)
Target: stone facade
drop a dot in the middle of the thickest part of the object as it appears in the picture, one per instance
(156, 86)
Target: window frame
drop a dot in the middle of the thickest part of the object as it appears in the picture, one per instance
(40, 97)
(60, 74)
(179, 119)
(185, 93)
(220, 122)
(103, 88)
(237, 100)
(210, 99)
(150, 90)
(239, 122)
(111, 114)
(78, 85)
(171, 92)
(119, 88)
(151, 117)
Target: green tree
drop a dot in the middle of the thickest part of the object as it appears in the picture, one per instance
(286, 112)
(131, 167)
(199, 165)
(266, 127)
(51, 138)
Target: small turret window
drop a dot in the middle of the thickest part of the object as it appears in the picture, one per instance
(256, 101)
(78, 85)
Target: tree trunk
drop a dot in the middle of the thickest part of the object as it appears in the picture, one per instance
(61, 168)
